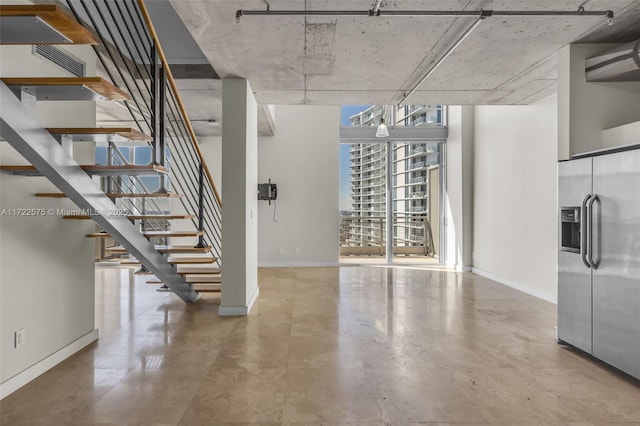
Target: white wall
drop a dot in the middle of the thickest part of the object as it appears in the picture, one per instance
(46, 263)
(586, 109)
(211, 147)
(302, 159)
(515, 195)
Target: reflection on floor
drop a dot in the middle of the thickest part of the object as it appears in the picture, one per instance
(368, 345)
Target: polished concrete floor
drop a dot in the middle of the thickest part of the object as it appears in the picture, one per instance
(365, 345)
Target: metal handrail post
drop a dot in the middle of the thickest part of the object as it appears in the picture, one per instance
(201, 242)
(161, 159)
(155, 122)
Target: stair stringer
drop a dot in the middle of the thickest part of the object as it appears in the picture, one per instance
(27, 136)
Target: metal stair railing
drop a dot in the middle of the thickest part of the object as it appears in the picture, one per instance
(132, 58)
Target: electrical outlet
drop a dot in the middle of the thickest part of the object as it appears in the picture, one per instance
(20, 338)
(281, 251)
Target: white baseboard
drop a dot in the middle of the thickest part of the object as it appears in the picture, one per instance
(16, 382)
(239, 311)
(286, 264)
(552, 298)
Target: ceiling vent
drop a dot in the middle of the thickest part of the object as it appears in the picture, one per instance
(619, 64)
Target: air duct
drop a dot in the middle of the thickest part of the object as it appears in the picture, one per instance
(619, 64)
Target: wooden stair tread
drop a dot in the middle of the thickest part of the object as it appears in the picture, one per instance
(50, 194)
(55, 17)
(202, 287)
(144, 195)
(62, 88)
(124, 169)
(198, 270)
(154, 234)
(140, 216)
(100, 134)
(203, 278)
(207, 287)
(94, 169)
(176, 260)
(165, 249)
(116, 195)
(172, 233)
(193, 279)
(192, 260)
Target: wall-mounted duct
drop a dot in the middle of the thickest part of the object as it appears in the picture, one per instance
(619, 64)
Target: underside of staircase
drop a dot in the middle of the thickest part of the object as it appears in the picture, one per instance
(93, 188)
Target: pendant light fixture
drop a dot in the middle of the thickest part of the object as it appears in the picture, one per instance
(382, 131)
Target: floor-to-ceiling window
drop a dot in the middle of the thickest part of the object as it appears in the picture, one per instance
(416, 196)
(390, 187)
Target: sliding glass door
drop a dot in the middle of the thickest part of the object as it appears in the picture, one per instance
(404, 189)
(416, 201)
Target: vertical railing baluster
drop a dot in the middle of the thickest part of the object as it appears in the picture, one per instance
(201, 242)
(109, 162)
(162, 129)
(155, 130)
(143, 211)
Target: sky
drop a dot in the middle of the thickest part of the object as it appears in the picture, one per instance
(345, 182)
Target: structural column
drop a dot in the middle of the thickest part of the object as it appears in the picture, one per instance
(240, 205)
(459, 187)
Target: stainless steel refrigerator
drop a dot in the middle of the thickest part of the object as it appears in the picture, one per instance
(599, 257)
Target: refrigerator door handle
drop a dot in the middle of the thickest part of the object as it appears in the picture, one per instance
(590, 247)
(584, 231)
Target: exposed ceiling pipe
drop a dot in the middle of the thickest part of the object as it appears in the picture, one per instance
(443, 57)
(378, 12)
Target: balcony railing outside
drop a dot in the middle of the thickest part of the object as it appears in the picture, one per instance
(366, 235)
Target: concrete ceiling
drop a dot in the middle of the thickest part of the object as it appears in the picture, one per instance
(374, 60)
(198, 83)
(368, 60)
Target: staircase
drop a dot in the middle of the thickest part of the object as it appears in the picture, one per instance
(115, 195)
